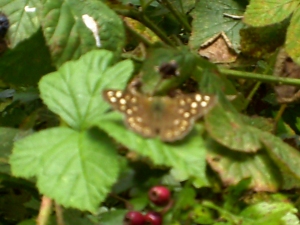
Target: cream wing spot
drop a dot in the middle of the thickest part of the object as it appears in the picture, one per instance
(113, 99)
(186, 114)
(119, 94)
(139, 119)
(133, 100)
(182, 128)
(169, 134)
(176, 122)
(182, 102)
(198, 97)
(184, 123)
(206, 98)
(193, 111)
(194, 105)
(110, 93)
(129, 111)
(122, 101)
(203, 104)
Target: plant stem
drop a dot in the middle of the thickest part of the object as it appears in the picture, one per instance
(45, 211)
(178, 15)
(59, 214)
(260, 77)
(278, 116)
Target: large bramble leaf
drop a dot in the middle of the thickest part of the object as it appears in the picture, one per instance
(22, 17)
(266, 12)
(228, 129)
(233, 167)
(285, 156)
(75, 91)
(186, 156)
(292, 45)
(75, 169)
(210, 20)
(67, 34)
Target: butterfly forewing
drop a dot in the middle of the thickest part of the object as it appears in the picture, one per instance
(136, 108)
(169, 118)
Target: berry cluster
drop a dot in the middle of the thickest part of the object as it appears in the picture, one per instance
(158, 195)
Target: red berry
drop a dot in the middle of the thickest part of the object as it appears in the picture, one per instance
(134, 218)
(159, 195)
(153, 218)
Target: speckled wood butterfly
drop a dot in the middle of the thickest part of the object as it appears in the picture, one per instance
(169, 118)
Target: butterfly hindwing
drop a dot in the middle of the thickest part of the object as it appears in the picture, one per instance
(181, 114)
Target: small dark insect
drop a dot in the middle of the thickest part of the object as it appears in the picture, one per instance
(169, 69)
(4, 25)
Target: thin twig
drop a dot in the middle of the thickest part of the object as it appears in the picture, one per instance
(252, 93)
(128, 205)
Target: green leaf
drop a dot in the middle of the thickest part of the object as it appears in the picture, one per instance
(72, 217)
(259, 41)
(27, 62)
(202, 215)
(233, 167)
(75, 169)
(209, 21)
(271, 213)
(186, 156)
(228, 129)
(266, 12)
(292, 45)
(262, 123)
(285, 156)
(28, 222)
(75, 91)
(7, 138)
(68, 36)
(113, 217)
(22, 17)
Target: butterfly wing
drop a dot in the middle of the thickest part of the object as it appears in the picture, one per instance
(180, 114)
(136, 109)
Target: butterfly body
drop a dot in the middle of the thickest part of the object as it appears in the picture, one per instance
(169, 118)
